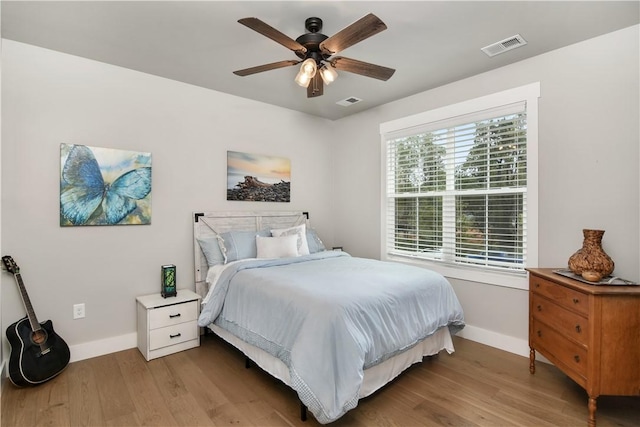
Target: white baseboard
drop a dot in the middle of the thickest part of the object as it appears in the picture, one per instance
(123, 342)
(3, 375)
(96, 348)
(503, 342)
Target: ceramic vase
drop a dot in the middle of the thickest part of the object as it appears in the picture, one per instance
(591, 259)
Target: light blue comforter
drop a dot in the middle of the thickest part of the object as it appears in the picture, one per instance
(328, 316)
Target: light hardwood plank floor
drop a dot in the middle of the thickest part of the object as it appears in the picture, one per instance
(209, 386)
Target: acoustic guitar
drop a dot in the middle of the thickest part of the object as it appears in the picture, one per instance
(37, 352)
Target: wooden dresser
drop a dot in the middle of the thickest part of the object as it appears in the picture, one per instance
(591, 333)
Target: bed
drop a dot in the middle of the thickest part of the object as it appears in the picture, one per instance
(333, 327)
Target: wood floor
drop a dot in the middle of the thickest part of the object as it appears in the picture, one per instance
(209, 386)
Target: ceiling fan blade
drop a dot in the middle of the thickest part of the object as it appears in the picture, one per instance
(275, 35)
(361, 29)
(265, 67)
(363, 68)
(315, 87)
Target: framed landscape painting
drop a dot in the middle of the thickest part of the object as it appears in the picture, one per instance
(258, 178)
(104, 186)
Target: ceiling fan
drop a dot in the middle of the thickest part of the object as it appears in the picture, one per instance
(316, 51)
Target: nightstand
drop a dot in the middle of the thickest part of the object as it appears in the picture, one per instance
(168, 325)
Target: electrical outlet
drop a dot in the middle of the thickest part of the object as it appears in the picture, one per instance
(78, 311)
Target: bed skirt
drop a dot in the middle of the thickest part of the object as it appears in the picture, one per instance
(374, 377)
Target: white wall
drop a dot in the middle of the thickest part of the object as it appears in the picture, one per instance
(51, 98)
(588, 175)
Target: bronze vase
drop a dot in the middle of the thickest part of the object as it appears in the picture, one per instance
(591, 261)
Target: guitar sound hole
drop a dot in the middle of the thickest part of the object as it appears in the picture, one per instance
(39, 337)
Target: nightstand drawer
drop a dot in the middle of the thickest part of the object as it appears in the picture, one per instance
(172, 335)
(173, 314)
(566, 322)
(565, 297)
(571, 355)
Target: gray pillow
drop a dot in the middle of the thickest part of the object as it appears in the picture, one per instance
(314, 242)
(211, 249)
(241, 244)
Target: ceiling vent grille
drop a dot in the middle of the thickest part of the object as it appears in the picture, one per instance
(349, 101)
(504, 45)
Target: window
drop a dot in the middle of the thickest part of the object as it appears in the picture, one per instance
(458, 187)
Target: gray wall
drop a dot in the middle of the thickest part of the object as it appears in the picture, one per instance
(589, 138)
(51, 98)
(588, 167)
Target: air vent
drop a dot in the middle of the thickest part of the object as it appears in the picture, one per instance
(504, 45)
(349, 101)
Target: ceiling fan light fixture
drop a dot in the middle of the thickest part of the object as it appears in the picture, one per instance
(303, 79)
(307, 72)
(328, 74)
(316, 51)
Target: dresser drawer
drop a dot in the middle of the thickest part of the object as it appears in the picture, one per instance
(173, 314)
(564, 321)
(573, 300)
(570, 354)
(172, 335)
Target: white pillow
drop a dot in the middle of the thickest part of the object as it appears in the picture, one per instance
(277, 247)
(300, 232)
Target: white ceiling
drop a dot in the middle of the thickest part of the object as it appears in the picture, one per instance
(429, 43)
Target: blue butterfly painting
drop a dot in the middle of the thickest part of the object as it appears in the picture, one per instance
(114, 190)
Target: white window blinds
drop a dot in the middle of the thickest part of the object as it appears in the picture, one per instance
(456, 189)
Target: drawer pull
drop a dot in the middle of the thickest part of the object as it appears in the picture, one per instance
(576, 358)
(178, 334)
(173, 316)
(576, 300)
(578, 329)
(539, 333)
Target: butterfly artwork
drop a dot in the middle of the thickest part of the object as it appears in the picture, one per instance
(103, 186)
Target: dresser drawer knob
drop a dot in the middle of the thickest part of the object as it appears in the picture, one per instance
(539, 307)
(576, 300)
(539, 333)
(178, 334)
(578, 329)
(173, 316)
(576, 358)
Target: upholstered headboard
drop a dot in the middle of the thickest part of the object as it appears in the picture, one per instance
(211, 223)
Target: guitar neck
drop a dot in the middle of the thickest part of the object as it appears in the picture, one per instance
(31, 314)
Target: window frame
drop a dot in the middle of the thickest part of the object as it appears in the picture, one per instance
(528, 94)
